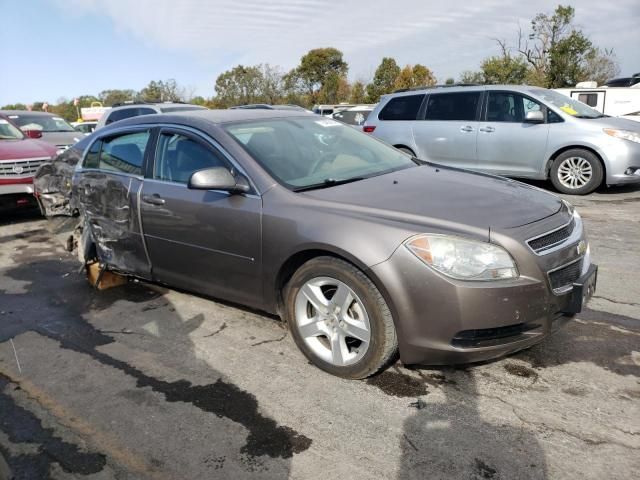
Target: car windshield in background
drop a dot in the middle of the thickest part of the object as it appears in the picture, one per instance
(567, 105)
(304, 153)
(9, 132)
(41, 122)
(181, 108)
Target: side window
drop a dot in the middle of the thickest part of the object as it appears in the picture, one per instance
(402, 108)
(590, 99)
(453, 106)
(145, 111)
(178, 156)
(92, 159)
(509, 107)
(124, 153)
(121, 115)
(553, 117)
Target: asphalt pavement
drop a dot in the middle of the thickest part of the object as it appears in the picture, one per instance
(140, 381)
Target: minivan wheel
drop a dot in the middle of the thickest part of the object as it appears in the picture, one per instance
(339, 319)
(576, 172)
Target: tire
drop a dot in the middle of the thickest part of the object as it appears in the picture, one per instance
(326, 341)
(571, 168)
(406, 150)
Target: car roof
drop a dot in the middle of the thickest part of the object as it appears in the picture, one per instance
(27, 112)
(215, 117)
(464, 88)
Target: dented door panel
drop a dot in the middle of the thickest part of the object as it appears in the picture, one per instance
(109, 205)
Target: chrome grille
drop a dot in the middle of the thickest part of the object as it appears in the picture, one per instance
(551, 239)
(562, 279)
(21, 168)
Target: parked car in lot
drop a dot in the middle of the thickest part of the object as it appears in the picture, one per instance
(85, 127)
(355, 116)
(363, 249)
(20, 157)
(120, 111)
(516, 131)
(631, 81)
(267, 106)
(48, 127)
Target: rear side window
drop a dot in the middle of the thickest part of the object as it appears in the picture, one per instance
(124, 153)
(453, 106)
(405, 107)
(178, 156)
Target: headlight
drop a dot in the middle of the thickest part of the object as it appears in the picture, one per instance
(624, 134)
(572, 210)
(463, 259)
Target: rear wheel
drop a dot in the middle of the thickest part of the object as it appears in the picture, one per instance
(339, 319)
(576, 172)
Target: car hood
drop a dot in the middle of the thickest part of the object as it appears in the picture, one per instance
(26, 148)
(614, 122)
(62, 138)
(445, 195)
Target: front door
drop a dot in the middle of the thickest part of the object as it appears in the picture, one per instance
(507, 145)
(203, 240)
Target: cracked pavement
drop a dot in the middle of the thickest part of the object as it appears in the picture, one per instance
(145, 382)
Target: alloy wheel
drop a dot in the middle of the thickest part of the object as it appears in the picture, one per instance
(332, 321)
(575, 172)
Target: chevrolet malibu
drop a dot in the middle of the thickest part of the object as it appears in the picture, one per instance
(365, 251)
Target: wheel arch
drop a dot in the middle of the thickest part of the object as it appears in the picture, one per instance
(400, 145)
(299, 258)
(560, 151)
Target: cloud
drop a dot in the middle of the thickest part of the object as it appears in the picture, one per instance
(447, 36)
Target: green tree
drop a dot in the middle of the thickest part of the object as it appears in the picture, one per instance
(469, 76)
(559, 53)
(384, 79)
(162, 91)
(335, 89)
(113, 96)
(358, 94)
(414, 76)
(239, 86)
(450, 81)
(318, 67)
(505, 68)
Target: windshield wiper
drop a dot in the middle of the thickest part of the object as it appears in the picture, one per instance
(328, 182)
(588, 116)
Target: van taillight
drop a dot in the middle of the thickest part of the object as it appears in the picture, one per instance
(368, 128)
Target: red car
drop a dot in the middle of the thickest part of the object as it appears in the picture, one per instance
(20, 157)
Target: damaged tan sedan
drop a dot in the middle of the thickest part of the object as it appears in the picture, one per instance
(363, 249)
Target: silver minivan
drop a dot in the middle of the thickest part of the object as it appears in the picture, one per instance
(514, 131)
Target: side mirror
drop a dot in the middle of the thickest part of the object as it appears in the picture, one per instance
(534, 117)
(33, 133)
(218, 178)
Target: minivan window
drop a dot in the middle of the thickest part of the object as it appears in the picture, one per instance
(128, 113)
(453, 106)
(509, 107)
(566, 104)
(124, 153)
(179, 156)
(405, 107)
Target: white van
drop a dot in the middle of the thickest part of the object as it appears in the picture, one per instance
(612, 101)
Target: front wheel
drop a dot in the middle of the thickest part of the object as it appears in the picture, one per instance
(339, 319)
(576, 172)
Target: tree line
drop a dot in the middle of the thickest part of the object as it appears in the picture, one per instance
(552, 53)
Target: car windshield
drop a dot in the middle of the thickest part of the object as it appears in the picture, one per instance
(567, 105)
(306, 153)
(9, 132)
(44, 123)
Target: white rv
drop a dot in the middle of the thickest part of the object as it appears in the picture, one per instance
(612, 101)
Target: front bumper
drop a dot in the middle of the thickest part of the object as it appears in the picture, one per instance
(623, 163)
(22, 185)
(443, 321)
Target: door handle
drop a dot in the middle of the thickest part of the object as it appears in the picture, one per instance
(153, 199)
(466, 128)
(487, 129)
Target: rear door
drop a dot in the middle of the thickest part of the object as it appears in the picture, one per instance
(507, 145)
(203, 240)
(447, 133)
(107, 188)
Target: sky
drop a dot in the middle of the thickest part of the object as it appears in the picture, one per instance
(64, 48)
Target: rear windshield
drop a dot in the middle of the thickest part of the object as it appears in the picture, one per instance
(44, 123)
(302, 152)
(352, 117)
